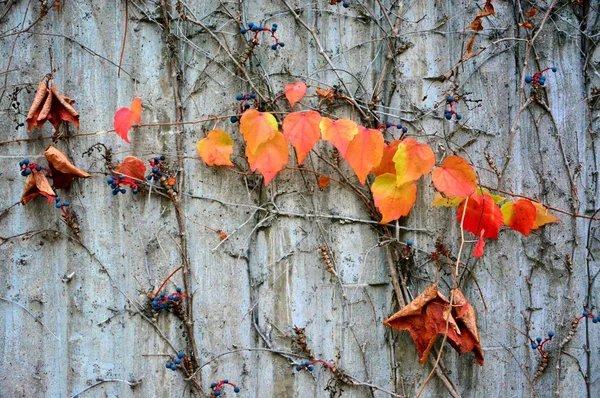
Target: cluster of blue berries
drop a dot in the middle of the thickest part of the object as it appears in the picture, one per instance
(305, 365)
(162, 301)
(116, 182)
(26, 167)
(59, 204)
(538, 77)
(157, 168)
(539, 342)
(217, 387)
(345, 3)
(585, 314)
(256, 29)
(176, 362)
(449, 112)
(398, 126)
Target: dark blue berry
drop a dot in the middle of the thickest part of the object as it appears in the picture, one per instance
(528, 79)
(121, 177)
(346, 4)
(251, 24)
(178, 290)
(399, 126)
(217, 393)
(27, 171)
(170, 297)
(311, 368)
(155, 170)
(113, 185)
(458, 117)
(450, 99)
(178, 361)
(550, 334)
(176, 298)
(57, 199)
(542, 80)
(174, 367)
(213, 385)
(239, 97)
(533, 346)
(409, 242)
(225, 381)
(156, 160)
(595, 320)
(21, 163)
(168, 365)
(233, 119)
(58, 205)
(585, 313)
(243, 31)
(66, 204)
(38, 167)
(134, 191)
(274, 47)
(162, 157)
(115, 191)
(162, 296)
(23, 173)
(282, 44)
(123, 190)
(448, 116)
(155, 178)
(554, 69)
(180, 354)
(160, 174)
(388, 124)
(404, 129)
(110, 180)
(236, 390)
(538, 339)
(252, 95)
(275, 25)
(298, 368)
(26, 162)
(149, 177)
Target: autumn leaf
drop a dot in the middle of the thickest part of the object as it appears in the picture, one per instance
(303, 131)
(526, 25)
(50, 105)
(37, 184)
(466, 319)
(478, 250)
(326, 94)
(531, 13)
(425, 318)
(470, 52)
(412, 160)
(216, 148)
(483, 217)
(257, 128)
(126, 117)
(295, 92)
(63, 171)
(452, 201)
(392, 200)
(36, 107)
(519, 215)
(387, 164)
(270, 157)
(323, 182)
(476, 25)
(455, 177)
(487, 10)
(542, 216)
(133, 168)
(365, 152)
(339, 132)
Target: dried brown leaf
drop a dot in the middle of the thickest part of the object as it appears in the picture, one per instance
(476, 25)
(487, 10)
(37, 184)
(36, 106)
(466, 319)
(63, 171)
(531, 13)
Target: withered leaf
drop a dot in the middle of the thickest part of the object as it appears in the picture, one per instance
(50, 105)
(63, 171)
(488, 10)
(61, 109)
(476, 25)
(466, 319)
(426, 317)
(470, 44)
(36, 106)
(531, 13)
(526, 25)
(37, 184)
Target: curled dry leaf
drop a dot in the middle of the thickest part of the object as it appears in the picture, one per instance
(37, 184)
(465, 317)
(476, 25)
(63, 171)
(526, 25)
(470, 44)
(50, 105)
(487, 10)
(425, 318)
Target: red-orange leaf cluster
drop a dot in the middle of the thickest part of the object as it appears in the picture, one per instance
(126, 117)
(270, 157)
(430, 315)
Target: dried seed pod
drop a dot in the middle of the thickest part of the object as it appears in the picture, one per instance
(542, 364)
(327, 259)
(301, 340)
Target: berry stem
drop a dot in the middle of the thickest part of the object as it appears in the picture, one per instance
(166, 280)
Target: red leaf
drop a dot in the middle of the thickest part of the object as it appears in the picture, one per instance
(542, 216)
(295, 92)
(483, 217)
(270, 157)
(365, 152)
(519, 215)
(478, 250)
(302, 129)
(126, 117)
(323, 182)
(133, 168)
(456, 177)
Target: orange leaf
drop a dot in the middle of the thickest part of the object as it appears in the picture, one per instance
(392, 200)
(323, 182)
(476, 25)
(36, 107)
(542, 216)
(326, 94)
(295, 92)
(61, 109)
(302, 129)
(216, 148)
(526, 25)
(171, 181)
(132, 167)
(483, 217)
(531, 13)
(519, 215)
(466, 319)
(37, 184)
(339, 132)
(488, 10)
(470, 44)
(270, 157)
(257, 128)
(126, 117)
(425, 318)
(63, 171)
(412, 160)
(387, 160)
(365, 152)
(455, 177)
(478, 250)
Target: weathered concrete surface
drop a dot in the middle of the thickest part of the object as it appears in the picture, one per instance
(268, 276)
